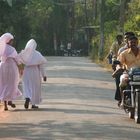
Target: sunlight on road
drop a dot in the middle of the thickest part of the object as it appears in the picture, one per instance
(82, 82)
(86, 68)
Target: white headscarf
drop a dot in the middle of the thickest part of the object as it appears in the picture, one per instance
(4, 39)
(30, 56)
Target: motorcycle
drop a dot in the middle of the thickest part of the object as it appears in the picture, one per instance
(132, 95)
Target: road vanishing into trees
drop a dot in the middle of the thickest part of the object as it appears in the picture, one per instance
(78, 104)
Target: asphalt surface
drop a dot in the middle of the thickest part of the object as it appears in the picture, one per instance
(77, 104)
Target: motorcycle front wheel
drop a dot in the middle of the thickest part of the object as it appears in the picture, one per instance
(131, 113)
(137, 107)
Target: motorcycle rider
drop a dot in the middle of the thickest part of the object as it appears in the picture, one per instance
(129, 58)
(118, 72)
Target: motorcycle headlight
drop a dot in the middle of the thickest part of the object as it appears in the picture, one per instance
(136, 77)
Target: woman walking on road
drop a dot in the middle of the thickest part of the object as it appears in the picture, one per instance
(33, 71)
(9, 73)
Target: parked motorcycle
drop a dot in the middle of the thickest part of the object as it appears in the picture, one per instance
(132, 95)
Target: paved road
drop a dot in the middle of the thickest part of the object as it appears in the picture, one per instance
(78, 104)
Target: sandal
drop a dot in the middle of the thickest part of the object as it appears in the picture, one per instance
(34, 107)
(11, 104)
(6, 108)
(119, 103)
(26, 105)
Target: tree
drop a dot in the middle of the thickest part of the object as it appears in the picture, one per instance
(9, 2)
(122, 15)
(133, 18)
(102, 4)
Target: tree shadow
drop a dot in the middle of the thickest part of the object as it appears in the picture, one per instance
(53, 130)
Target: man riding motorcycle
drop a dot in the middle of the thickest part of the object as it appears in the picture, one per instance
(129, 58)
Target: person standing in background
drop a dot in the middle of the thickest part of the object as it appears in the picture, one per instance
(34, 69)
(9, 73)
(62, 49)
(69, 49)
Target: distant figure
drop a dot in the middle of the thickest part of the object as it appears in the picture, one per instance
(69, 49)
(62, 49)
(110, 57)
(9, 73)
(33, 71)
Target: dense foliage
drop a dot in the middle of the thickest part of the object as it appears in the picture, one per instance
(51, 22)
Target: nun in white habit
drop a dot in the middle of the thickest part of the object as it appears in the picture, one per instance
(34, 64)
(9, 73)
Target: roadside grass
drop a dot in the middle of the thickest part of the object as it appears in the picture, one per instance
(103, 64)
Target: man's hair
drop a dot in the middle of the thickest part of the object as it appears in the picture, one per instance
(116, 62)
(132, 38)
(119, 36)
(129, 34)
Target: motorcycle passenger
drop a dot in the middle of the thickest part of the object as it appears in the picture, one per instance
(118, 71)
(129, 58)
(126, 37)
(117, 45)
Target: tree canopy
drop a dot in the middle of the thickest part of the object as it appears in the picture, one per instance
(78, 21)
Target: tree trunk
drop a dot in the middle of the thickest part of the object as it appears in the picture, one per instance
(94, 9)
(122, 15)
(55, 44)
(102, 3)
